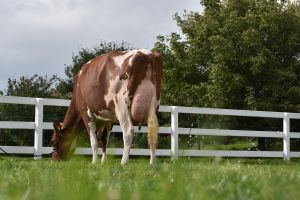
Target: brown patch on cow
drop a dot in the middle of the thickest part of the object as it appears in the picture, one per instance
(94, 83)
(136, 72)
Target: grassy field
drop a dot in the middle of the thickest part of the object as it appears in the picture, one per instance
(195, 178)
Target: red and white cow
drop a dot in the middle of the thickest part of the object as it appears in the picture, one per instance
(119, 85)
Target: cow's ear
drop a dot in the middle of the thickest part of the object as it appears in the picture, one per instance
(57, 126)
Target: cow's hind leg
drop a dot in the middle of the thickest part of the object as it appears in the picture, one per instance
(152, 133)
(104, 141)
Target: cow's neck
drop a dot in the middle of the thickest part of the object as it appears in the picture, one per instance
(72, 118)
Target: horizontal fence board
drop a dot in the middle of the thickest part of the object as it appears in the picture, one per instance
(55, 102)
(294, 115)
(16, 125)
(294, 135)
(114, 151)
(295, 154)
(165, 108)
(117, 128)
(47, 125)
(222, 153)
(17, 100)
(222, 132)
(229, 112)
(17, 149)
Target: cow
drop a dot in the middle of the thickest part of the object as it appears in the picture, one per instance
(121, 86)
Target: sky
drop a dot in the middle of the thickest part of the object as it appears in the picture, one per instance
(40, 36)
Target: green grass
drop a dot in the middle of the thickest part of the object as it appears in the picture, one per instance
(195, 178)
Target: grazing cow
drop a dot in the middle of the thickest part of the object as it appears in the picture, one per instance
(119, 86)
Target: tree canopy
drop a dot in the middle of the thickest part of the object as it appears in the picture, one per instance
(35, 86)
(236, 54)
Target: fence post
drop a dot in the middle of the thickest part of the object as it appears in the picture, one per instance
(174, 135)
(38, 129)
(286, 137)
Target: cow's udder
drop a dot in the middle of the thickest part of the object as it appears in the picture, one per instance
(141, 102)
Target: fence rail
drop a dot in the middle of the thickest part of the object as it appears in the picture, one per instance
(39, 125)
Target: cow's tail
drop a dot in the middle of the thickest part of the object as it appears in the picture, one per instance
(152, 131)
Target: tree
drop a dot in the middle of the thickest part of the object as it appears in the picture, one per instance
(237, 54)
(240, 54)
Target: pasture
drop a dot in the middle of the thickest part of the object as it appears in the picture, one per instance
(196, 178)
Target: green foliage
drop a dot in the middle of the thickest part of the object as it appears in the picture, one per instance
(236, 54)
(181, 75)
(182, 179)
(35, 86)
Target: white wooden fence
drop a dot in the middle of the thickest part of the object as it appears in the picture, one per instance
(39, 125)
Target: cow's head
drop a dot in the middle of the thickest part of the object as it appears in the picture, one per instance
(62, 142)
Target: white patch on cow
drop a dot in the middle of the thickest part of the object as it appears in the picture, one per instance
(145, 51)
(80, 72)
(89, 62)
(89, 113)
(119, 60)
(105, 115)
(116, 86)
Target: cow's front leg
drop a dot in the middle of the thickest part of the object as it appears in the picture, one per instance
(93, 139)
(104, 140)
